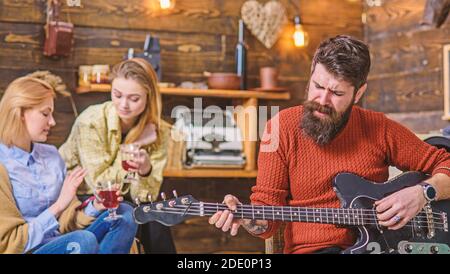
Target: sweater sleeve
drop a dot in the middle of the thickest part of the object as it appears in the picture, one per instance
(408, 153)
(13, 228)
(272, 183)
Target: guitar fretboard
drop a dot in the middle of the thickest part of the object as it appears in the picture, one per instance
(341, 216)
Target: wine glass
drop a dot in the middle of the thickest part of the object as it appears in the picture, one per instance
(129, 152)
(108, 193)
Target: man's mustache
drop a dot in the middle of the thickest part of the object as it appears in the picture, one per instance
(314, 106)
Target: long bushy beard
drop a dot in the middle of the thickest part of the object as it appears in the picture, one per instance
(323, 130)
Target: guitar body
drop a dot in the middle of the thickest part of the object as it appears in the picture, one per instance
(357, 193)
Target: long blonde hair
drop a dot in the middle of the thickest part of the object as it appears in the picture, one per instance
(21, 94)
(142, 72)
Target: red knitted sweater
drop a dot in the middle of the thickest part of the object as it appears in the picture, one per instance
(299, 172)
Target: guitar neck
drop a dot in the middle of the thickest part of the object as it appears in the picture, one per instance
(339, 216)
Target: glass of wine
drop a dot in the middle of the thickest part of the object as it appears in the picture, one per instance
(129, 152)
(108, 193)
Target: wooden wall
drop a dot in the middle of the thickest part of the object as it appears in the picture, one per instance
(406, 78)
(196, 36)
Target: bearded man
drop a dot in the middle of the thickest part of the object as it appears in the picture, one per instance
(329, 135)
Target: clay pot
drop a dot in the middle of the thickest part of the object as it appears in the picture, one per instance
(269, 77)
(223, 80)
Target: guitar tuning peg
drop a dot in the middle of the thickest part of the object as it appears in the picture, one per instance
(172, 203)
(175, 193)
(149, 197)
(163, 196)
(137, 201)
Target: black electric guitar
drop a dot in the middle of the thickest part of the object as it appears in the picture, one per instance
(425, 233)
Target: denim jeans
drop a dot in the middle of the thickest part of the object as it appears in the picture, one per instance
(100, 237)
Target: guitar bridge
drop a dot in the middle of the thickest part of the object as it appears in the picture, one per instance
(444, 221)
(430, 221)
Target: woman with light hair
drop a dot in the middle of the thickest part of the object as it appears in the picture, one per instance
(39, 209)
(133, 116)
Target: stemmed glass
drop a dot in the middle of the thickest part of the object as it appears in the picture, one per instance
(108, 193)
(129, 152)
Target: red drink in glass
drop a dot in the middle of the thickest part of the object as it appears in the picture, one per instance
(109, 198)
(126, 166)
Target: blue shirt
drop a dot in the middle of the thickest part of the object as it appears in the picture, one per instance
(37, 179)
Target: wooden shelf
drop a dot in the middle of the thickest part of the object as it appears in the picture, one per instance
(94, 88)
(204, 92)
(227, 93)
(210, 173)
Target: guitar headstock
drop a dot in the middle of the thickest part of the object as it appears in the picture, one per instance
(167, 212)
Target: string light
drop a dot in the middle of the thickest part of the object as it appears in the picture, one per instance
(301, 37)
(166, 4)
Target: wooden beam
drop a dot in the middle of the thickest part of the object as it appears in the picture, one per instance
(199, 16)
(420, 91)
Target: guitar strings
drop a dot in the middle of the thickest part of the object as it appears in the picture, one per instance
(340, 210)
(364, 221)
(327, 216)
(197, 213)
(314, 211)
(346, 216)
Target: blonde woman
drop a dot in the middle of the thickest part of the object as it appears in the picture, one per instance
(39, 210)
(133, 116)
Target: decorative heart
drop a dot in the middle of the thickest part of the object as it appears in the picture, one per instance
(264, 22)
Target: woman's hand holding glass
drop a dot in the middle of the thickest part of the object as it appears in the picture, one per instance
(110, 195)
(135, 160)
(98, 204)
(142, 163)
(129, 152)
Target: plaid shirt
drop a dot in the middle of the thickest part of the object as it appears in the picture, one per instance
(94, 144)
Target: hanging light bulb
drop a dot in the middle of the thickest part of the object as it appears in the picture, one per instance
(301, 38)
(166, 4)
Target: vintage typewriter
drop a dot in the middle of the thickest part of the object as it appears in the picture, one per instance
(212, 139)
